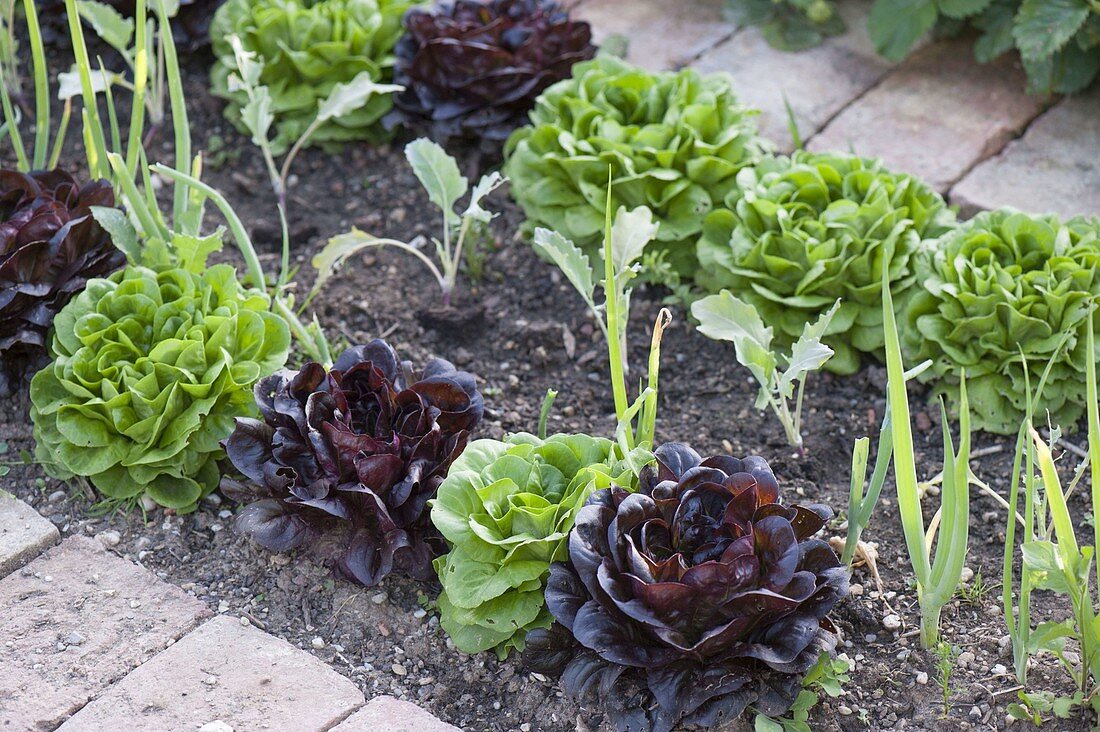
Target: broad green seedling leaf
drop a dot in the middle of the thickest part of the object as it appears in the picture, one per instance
(68, 82)
(724, 317)
(439, 174)
(346, 98)
(122, 232)
(109, 24)
(569, 258)
(484, 187)
(808, 353)
(630, 234)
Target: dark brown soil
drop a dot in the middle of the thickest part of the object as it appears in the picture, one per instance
(523, 330)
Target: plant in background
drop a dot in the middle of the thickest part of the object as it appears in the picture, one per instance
(674, 142)
(724, 317)
(1059, 42)
(351, 456)
(304, 48)
(472, 70)
(799, 233)
(506, 510)
(50, 247)
(1002, 282)
(789, 25)
(730, 610)
(445, 185)
(257, 116)
(190, 18)
(938, 577)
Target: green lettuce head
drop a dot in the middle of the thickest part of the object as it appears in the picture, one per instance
(673, 141)
(801, 232)
(1006, 282)
(150, 368)
(306, 48)
(506, 509)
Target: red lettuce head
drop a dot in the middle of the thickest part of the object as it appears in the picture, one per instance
(472, 70)
(50, 246)
(350, 457)
(694, 597)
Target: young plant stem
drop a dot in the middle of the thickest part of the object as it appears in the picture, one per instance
(93, 128)
(544, 413)
(141, 81)
(647, 423)
(1092, 397)
(41, 86)
(616, 330)
(180, 122)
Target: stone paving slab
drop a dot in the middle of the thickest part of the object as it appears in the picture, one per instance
(662, 34)
(386, 714)
(818, 82)
(937, 115)
(76, 620)
(23, 533)
(223, 671)
(1054, 167)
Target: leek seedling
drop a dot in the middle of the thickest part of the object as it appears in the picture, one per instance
(937, 576)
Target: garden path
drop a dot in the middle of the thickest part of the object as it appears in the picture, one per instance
(968, 129)
(92, 642)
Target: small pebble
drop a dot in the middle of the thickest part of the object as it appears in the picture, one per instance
(998, 670)
(216, 726)
(109, 538)
(891, 622)
(57, 496)
(844, 710)
(317, 642)
(965, 659)
(420, 613)
(922, 677)
(398, 669)
(210, 680)
(74, 639)
(975, 713)
(134, 604)
(378, 599)
(245, 621)
(855, 590)
(966, 575)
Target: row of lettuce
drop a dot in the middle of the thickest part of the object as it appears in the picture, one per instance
(684, 583)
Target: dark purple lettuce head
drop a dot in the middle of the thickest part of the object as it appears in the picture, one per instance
(694, 597)
(50, 246)
(349, 458)
(472, 70)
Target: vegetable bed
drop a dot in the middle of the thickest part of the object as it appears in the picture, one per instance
(290, 417)
(522, 329)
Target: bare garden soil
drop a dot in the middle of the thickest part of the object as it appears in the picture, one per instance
(522, 330)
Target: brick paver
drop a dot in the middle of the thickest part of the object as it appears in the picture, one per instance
(817, 83)
(938, 114)
(661, 35)
(23, 533)
(386, 714)
(76, 620)
(1054, 167)
(238, 675)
